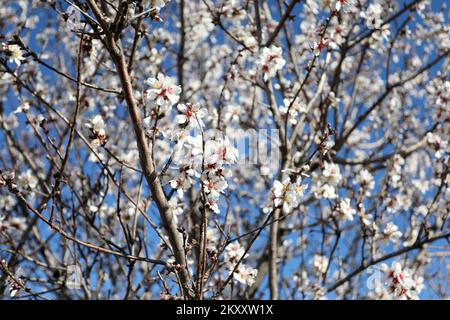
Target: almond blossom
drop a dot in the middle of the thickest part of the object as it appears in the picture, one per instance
(190, 115)
(345, 210)
(270, 61)
(373, 16)
(97, 127)
(14, 53)
(391, 233)
(162, 92)
(243, 274)
(287, 195)
(320, 263)
(400, 282)
(331, 173)
(344, 5)
(166, 148)
(28, 179)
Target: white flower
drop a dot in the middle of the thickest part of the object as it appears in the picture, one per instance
(433, 139)
(96, 124)
(365, 179)
(181, 183)
(373, 16)
(318, 47)
(219, 152)
(245, 275)
(7, 202)
(3, 223)
(294, 110)
(213, 187)
(18, 223)
(97, 127)
(401, 284)
(232, 113)
(333, 99)
(14, 52)
(213, 157)
(345, 210)
(279, 188)
(157, 3)
(443, 99)
(287, 194)
(190, 115)
(213, 205)
(328, 191)
(28, 180)
(270, 61)
(391, 232)
(162, 91)
(177, 207)
(437, 143)
(234, 252)
(195, 143)
(383, 33)
(23, 108)
(331, 173)
(345, 5)
(366, 219)
(213, 235)
(320, 263)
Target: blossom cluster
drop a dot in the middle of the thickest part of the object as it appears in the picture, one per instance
(328, 181)
(286, 195)
(400, 282)
(270, 61)
(97, 128)
(218, 154)
(162, 92)
(196, 153)
(243, 274)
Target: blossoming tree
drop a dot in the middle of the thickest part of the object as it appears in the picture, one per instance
(224, 149)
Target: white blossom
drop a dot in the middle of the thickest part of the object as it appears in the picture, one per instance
(400, 282)
(345, 210)
(373, 16)
(14, 52)
(163, 92)
(270, 61)
(331, 173)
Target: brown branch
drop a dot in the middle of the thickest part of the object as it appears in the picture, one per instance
(280, 25)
